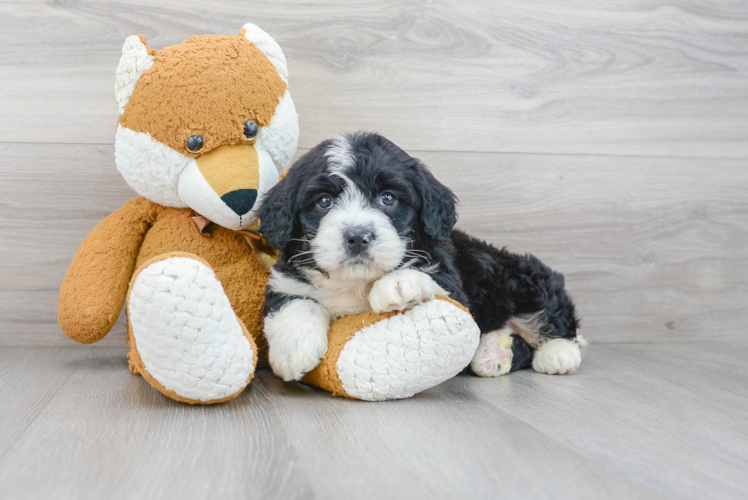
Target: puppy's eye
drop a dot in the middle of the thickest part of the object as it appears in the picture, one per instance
(388, 199)
(324, 202)
(194, 144)
(250, 130)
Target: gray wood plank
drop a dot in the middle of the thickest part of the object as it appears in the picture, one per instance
(654, 249)
(630, 77)
(108, 434)
(637, 421)
(440, 444)
(665, 416)
(29, 379)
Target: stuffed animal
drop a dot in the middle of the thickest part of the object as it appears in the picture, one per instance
(205, 127)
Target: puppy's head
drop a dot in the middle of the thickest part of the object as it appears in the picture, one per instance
(355, 207)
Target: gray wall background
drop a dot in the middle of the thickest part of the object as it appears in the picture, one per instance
(610, 139)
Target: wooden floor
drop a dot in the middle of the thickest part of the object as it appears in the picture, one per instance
(637, 421)
(608, 138)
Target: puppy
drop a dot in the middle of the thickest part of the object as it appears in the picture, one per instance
(364, 226)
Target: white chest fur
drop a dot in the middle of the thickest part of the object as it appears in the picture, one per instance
(340, 297)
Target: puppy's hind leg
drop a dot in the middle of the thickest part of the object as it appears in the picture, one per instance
(501, 352)
(555, 352)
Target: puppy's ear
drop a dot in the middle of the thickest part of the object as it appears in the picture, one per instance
(438, 205)
(278, 213)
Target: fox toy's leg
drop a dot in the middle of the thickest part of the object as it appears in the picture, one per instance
(395, 355)
(184, 336)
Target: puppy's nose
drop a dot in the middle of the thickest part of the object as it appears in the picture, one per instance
(358, 240)
(240, 201)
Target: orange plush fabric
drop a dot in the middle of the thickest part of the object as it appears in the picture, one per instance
(192, 90)
(94, 288)
(95, 285)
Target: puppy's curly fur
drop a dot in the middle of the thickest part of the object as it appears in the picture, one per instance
(362, 226)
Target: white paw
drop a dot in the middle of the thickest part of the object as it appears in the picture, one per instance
(494, 355)
(297, 338)
(401, 290)
(186, 333)
(557, 357)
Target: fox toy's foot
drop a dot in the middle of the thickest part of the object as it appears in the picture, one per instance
(395, 355)
(184, 337)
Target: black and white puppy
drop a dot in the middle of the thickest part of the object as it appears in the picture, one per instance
(364, 226)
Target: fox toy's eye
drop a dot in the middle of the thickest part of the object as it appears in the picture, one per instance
(388, 199)
(194, 144)
(250, 130)
(324, 202)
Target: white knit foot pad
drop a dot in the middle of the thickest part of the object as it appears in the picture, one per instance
(186, 332)
(557, 357)
(408, 353)
(494, 355)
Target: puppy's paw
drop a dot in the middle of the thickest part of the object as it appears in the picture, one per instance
(494, 355)
(401, 290)
(292, 362)
(297, 338)
(557, 357)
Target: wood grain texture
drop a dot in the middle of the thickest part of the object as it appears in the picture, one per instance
(654, 249)
(637, 421)
(29, 379)
(628, 77)
(107, 434)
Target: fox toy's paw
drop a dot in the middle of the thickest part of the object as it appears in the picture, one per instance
(185, 338)
(377, 357)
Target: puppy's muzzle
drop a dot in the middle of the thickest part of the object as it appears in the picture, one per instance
(357, 240)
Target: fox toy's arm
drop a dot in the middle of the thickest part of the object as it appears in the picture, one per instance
(95, 286)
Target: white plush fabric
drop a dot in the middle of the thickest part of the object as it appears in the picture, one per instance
(409, 352)
(150, 167)
(269, 47)
(186, 332)
(134, 62)
(557, 357)
(281, 137)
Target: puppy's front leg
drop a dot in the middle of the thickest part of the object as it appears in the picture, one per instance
(297, 338)
(402, 289)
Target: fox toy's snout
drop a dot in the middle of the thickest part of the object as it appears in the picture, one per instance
(226, 183)
(234, 174)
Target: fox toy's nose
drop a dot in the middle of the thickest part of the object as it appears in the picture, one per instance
(240, 201)
(233, 172)
(358, 240)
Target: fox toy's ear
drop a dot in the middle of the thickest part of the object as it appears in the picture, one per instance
(136, 59)
(268, 46)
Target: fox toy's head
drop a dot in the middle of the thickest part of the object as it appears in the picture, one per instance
(207, 124)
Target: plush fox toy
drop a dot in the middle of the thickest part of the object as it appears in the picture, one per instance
(205, 128)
